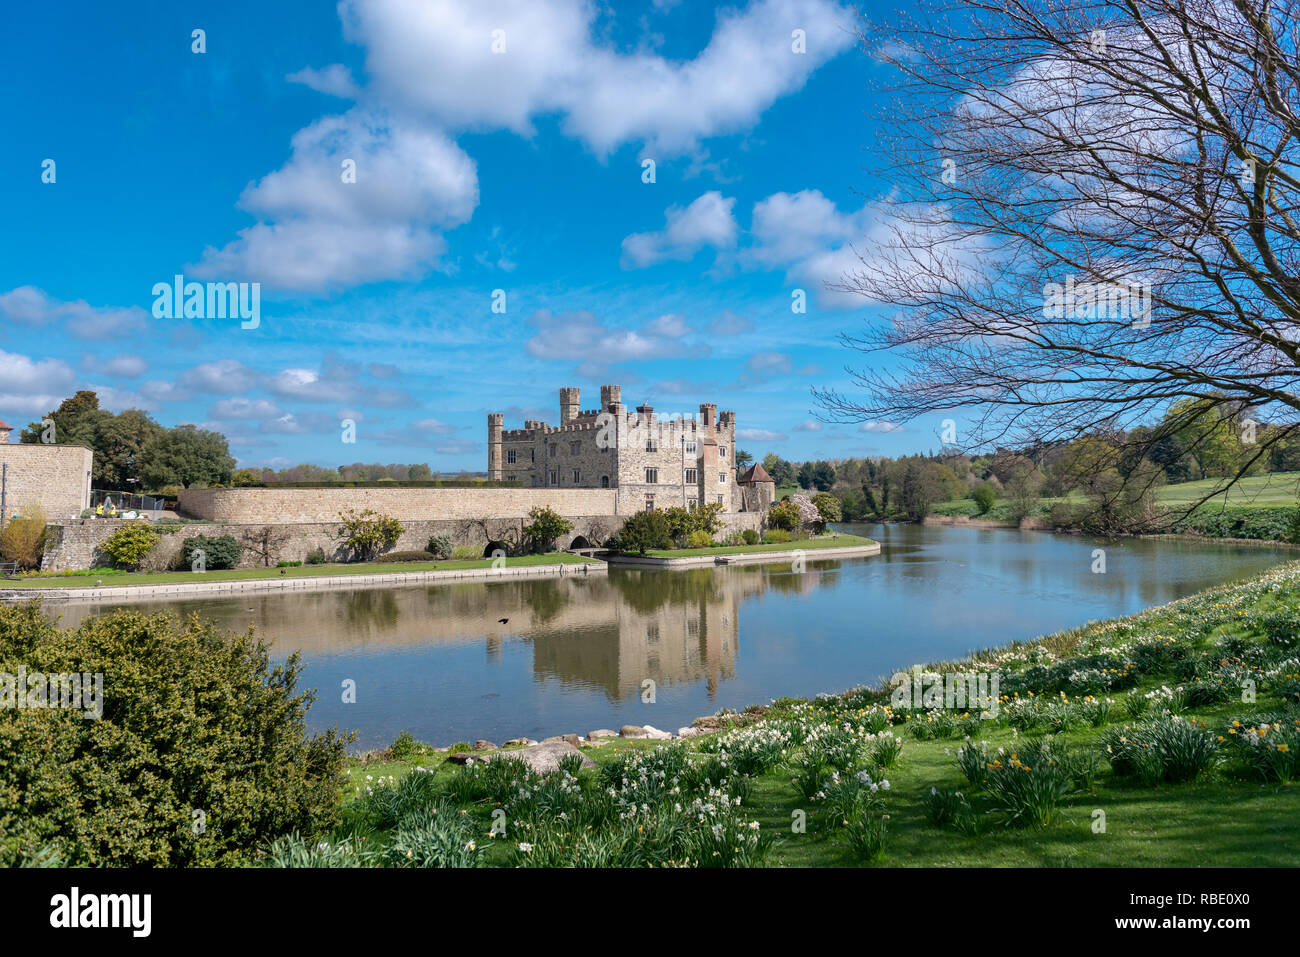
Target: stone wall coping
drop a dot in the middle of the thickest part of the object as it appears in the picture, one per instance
(304, 583)
(747, 558)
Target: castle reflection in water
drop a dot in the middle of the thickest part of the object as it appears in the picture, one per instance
(610, 631)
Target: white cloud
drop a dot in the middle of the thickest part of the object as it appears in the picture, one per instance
(760, 435)
(581, 336)
(127, 366)
(240, 408)
(880, 427)
(808, 425)
(317, 232)
(764, 364)
(334, 80)
(671, 326)
(32, 306)
(221, 377)
(32, 386)
(437, 58)
(705, 222)
(432, 427)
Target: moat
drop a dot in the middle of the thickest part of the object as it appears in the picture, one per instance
(573, 655)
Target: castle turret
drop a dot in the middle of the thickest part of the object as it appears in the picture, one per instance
(5, 429)
(496, 421)
(569, 405)
(708, 415)
(611, 398)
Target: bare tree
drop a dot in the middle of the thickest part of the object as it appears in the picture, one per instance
(265, 542)
(1094, 218)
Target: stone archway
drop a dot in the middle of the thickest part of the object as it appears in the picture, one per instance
(494, 548)
(580, 541)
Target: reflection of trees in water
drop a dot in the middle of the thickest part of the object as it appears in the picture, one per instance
(372, 607)
(648, 591)
(546, 598)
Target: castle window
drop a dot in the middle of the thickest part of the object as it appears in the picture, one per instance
(575, 448)
(651, 445)
(720, 502)
(722, 451)
(691, 504)
(510, 456)
(512, 478)
(690, 448)
(554, 477)
(722, 478)
(652, 476)
(604, 481)
(577, 476)
(649, 503)
(692, 476)
(553, 448)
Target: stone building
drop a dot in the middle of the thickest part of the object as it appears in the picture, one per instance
(54, 477)
(650, 460)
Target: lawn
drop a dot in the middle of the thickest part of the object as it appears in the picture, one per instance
(1218, 790)
(807, 544)
(1260, 491)
(299, 571)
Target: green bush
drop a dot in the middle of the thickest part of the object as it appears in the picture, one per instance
(644, 531)
(441, 546)
(544, 526)
(699, 540)
(750, 536)
(776, 535)
(683, 521)
(366, 533)
(23, 539)
(316, 557)
(199, 757)
(784, 516)
(131, 543)
(223, 552)
(985, 495)
(404, 557)
(828, 507)
(466, 552)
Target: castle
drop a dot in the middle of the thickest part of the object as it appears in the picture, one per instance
(651, 461)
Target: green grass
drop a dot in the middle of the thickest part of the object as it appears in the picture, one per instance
(302, 571)
(808, 544)
(1230, 816)
(1259, 491)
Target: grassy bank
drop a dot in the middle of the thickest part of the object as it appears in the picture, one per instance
(118, 579)
(807, 544)
(1124, 742)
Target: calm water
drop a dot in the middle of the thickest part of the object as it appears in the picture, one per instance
(574, 652)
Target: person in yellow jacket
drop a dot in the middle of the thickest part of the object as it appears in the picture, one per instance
(112, 509)
(99, 510)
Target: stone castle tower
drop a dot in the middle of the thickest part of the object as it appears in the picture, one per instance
(654, 461)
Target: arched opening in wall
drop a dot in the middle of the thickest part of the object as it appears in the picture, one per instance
(493, 549)
(604, 481)
(581, 542)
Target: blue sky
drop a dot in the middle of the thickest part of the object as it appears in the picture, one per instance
(476, 170)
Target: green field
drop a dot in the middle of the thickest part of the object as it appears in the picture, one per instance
(117, 579)
(1260, 491)
(1208, 780)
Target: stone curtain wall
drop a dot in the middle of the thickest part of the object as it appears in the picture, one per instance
(56, 477)
(298, 505)
(79, 544)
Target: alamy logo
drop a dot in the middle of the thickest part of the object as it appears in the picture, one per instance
(1100, 300)
(102, 910)
(39, 690)
(179, 299)
(957, 691)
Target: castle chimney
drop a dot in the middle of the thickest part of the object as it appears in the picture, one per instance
(569, 406)
(708, 415)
